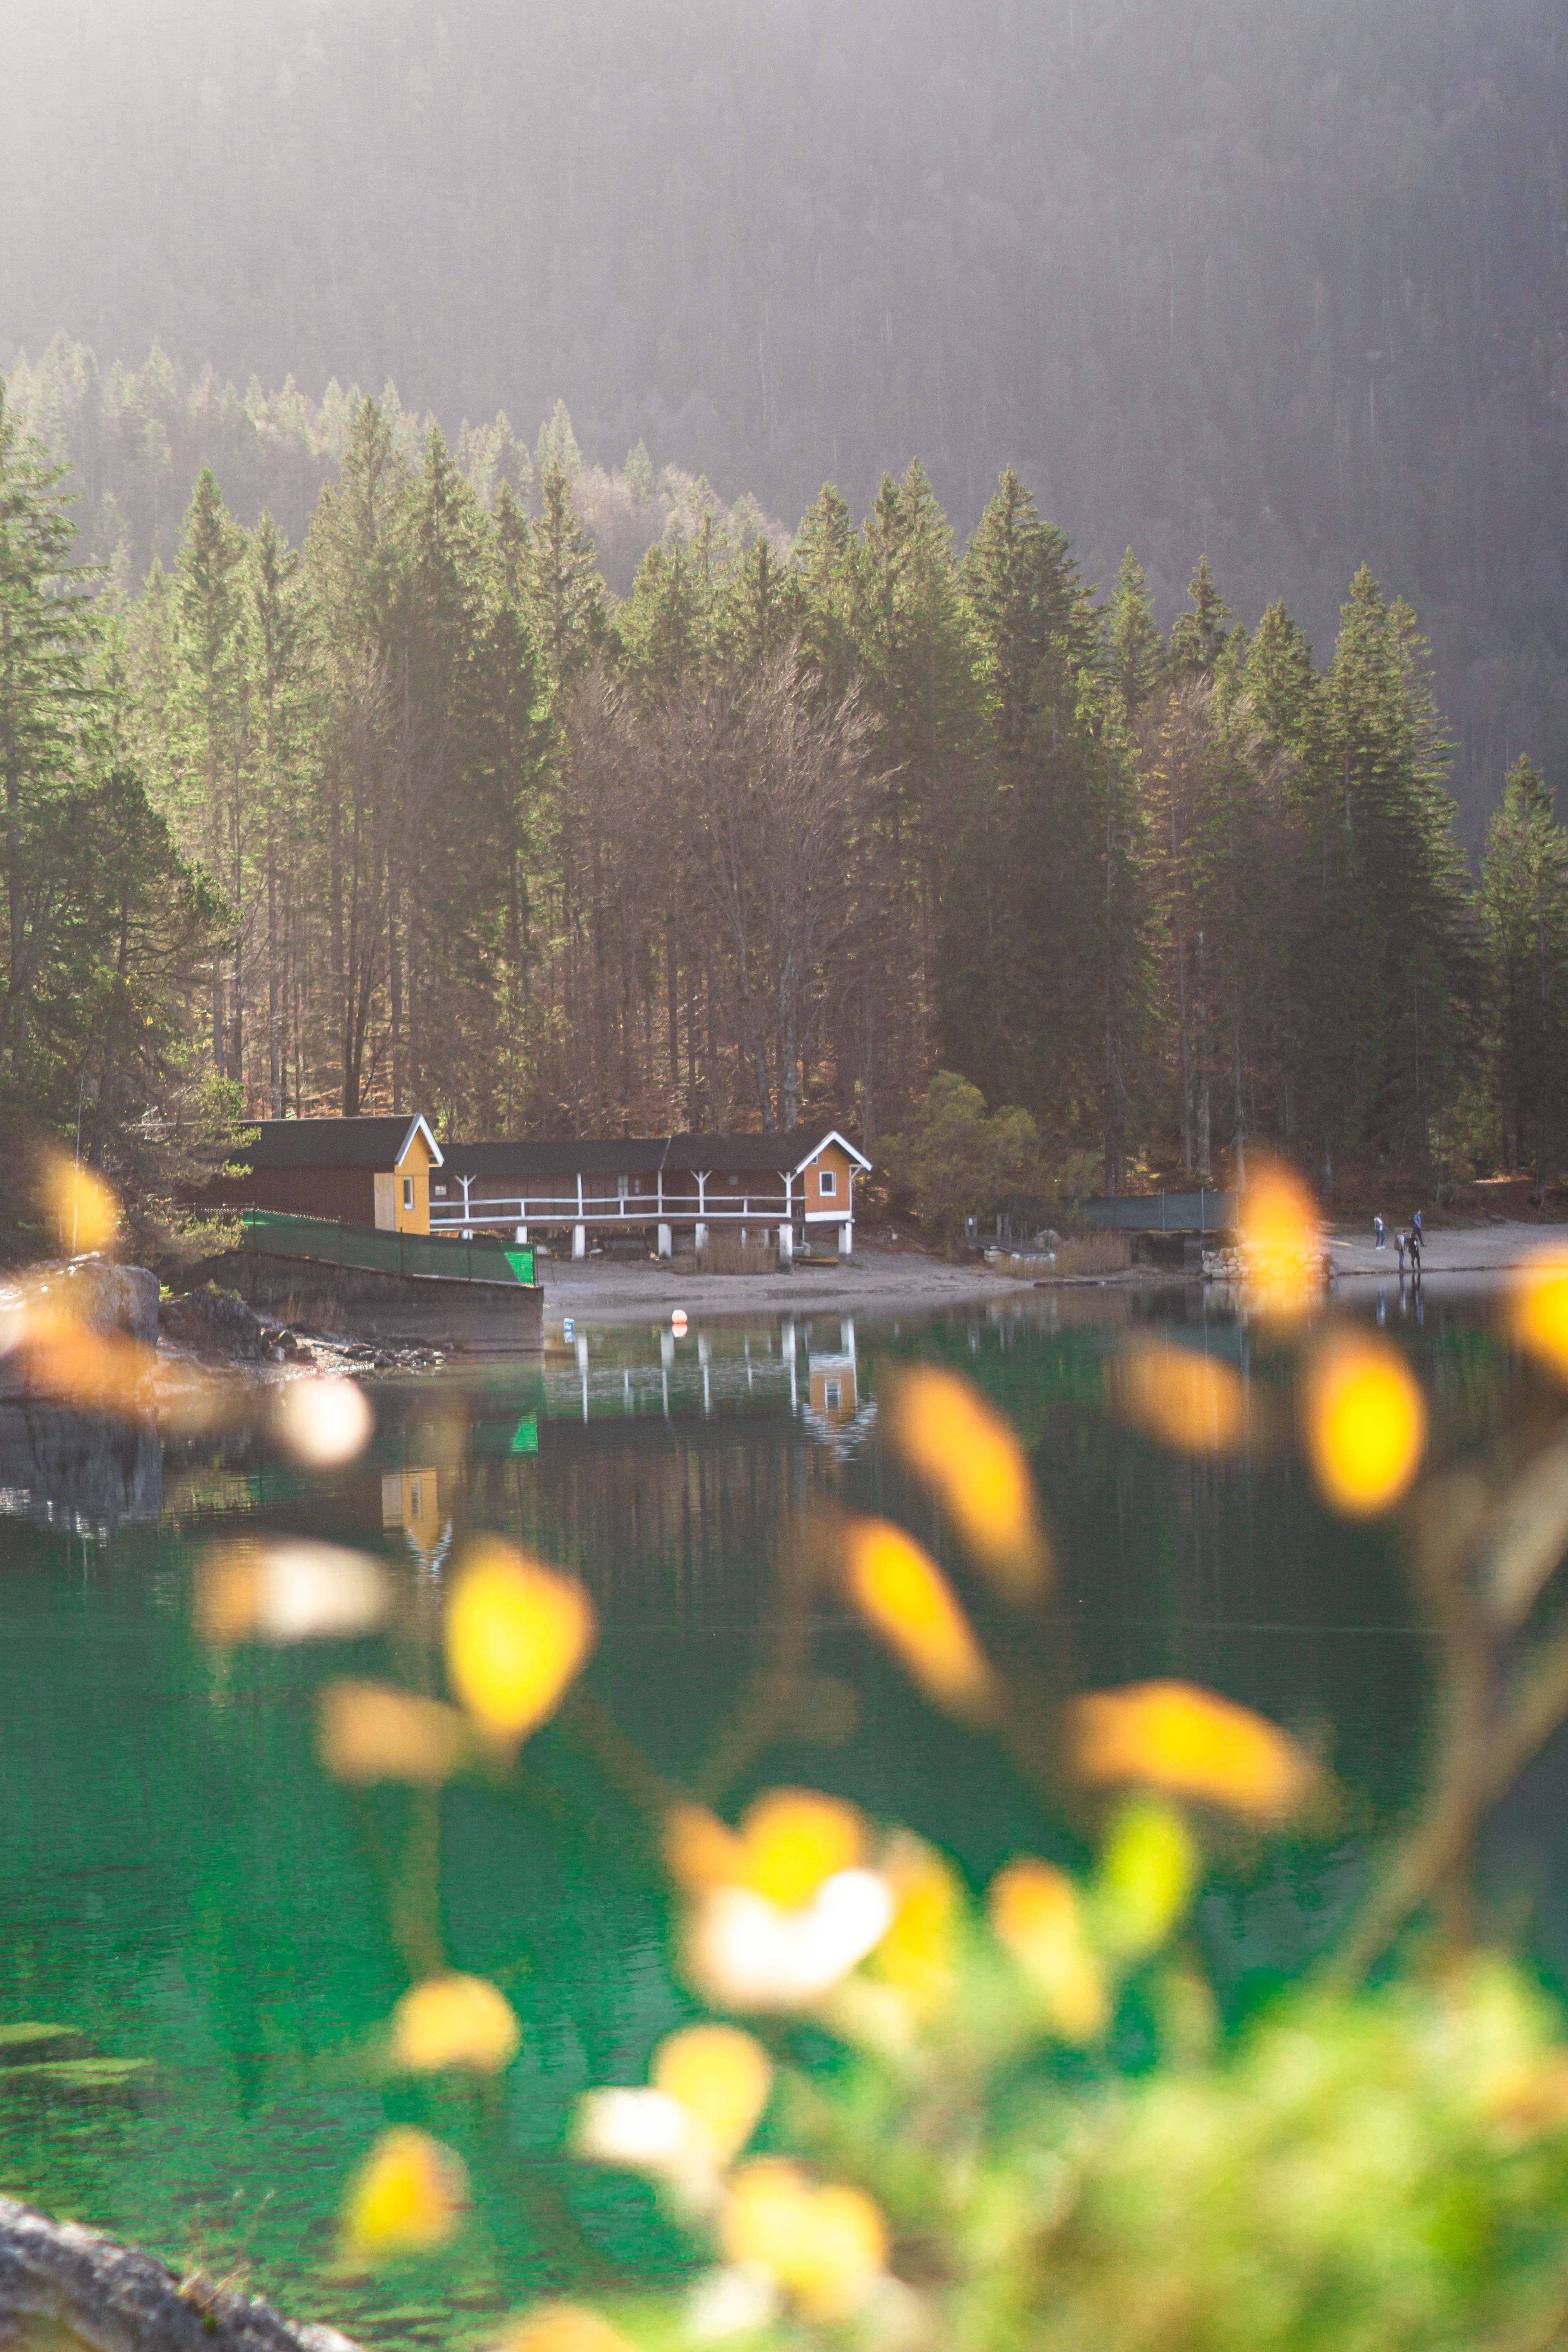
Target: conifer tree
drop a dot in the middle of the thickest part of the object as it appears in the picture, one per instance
(1524, 910)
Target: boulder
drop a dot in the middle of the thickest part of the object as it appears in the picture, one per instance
(69, 2287)
(102, 1296)
(216, 1323)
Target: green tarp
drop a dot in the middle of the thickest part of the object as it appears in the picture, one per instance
(427, 1256)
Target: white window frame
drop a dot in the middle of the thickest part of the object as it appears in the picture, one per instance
(408, 1193)
(827, 1183)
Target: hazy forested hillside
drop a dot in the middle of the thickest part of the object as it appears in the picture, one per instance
(1288, 283)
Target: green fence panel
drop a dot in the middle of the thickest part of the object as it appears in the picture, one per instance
(429, 1257)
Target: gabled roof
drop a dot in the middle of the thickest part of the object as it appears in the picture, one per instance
(374, 1143)
(779, 1154)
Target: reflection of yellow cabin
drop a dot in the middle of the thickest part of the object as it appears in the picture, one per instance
(833, 1390)
(409, 1501)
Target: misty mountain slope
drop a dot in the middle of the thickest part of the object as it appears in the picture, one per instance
(1288, 282)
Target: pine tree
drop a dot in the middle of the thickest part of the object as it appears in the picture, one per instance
(209, 636)
(1134, 650)
(1524, 910)
(1198, 637)
(565, 595)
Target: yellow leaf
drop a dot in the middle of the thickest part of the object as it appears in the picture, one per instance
(1036, 1914)
(516, 1635)
(918, 1954)
(969, 1455)
(406, 2197)
(83, 1209)
(901, 1592)
(563, 2327)
(1282, 1238)
(454, 2021)
(825, 2246)
(789, 1842)
(1536, 1307)
(370, 1732)
(722, 2077)
(1186, 1741)
(1186, 1400)
(1364, 1422)
(1148, 1867)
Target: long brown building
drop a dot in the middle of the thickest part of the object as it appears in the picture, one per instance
(789, 1186)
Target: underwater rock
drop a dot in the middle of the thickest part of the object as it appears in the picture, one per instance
(72, 2287)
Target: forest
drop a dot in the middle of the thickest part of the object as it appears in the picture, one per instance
(419, 813)
(1285, 282)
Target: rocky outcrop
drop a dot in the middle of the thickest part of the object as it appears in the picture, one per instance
(78, 2291)
(102, 1296)
(218, 1323)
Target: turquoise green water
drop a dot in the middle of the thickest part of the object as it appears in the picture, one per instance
(181, 1883)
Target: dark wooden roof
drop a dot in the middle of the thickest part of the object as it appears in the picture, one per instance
(637, 1155)
(374, 1143)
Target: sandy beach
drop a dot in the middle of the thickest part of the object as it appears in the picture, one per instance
(883, 1281)
(1484, 1251)
(879, 1281)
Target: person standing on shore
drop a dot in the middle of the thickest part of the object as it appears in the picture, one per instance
(1416, 1247)
(1399, 1246)
(1379, 1239)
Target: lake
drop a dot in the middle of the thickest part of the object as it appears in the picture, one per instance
(181, 1883)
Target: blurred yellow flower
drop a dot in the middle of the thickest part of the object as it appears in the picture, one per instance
(789, 1842)
(1186, 1400)
(370, 1731)
(918, 1954)
(288, 1589)
(406, 2197)
(563, 2327)
(825, 2246)
(1175, 1736)
(516, 1635)
(722, 2077)
(1365, 1422)
(323, 1421)
(454, 2021)
(1536, 1307)
(901, 1592)
(1282, 1238)
(963, 1448)
(82, 1207)
(781, 1907)
(1148, 1868)
(1036, 1915)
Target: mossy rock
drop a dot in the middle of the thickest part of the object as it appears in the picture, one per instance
(96, 2081)
(18, 2043)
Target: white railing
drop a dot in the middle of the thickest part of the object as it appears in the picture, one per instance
(611, 1208)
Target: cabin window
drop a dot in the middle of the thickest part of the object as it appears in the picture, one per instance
(831, 1395)
(827, 1178)
(438, 1191)
(408, 1192)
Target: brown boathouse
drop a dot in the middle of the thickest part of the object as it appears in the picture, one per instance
(362, 1171)
(796, 1186)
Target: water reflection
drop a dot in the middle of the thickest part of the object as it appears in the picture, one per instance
(178, 1877)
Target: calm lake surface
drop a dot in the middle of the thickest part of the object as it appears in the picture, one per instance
(182, 1882)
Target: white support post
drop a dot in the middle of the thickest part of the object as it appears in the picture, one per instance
(846, 1238)
(521, 1236)
(579, 1241)
(786, 1244)
(701, 1238)
(664, 1249)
